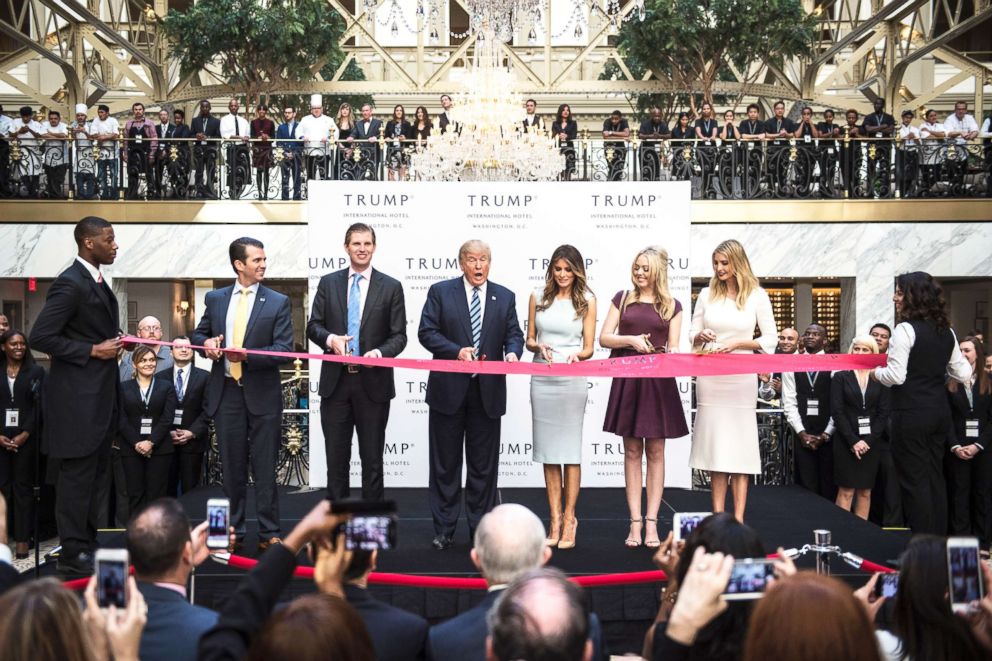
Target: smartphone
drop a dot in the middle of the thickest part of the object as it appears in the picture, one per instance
(964, 572)
(111, 577)
(372, 525)
(749, 579)
(685, 522)
(887, 585)
(218, 523)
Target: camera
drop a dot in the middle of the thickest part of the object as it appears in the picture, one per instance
(685, 522)
(111, 577)
(749, 579)
(218, 523)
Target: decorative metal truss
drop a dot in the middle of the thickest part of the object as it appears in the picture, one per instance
(59, 52)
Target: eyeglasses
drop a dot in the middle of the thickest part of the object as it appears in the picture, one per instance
(150, 328)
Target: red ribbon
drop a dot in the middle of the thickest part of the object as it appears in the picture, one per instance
(653, 365)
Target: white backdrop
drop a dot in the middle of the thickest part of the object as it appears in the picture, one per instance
(419, 228)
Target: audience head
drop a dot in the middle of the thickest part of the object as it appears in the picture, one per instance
(150, 328)
(313, 627)
(728, 115)
(475, 257)
(788, 340)
(541, 617)
(445, 101)
(14, 344)
(54, 117)
(509, 542)
(144, 360)
(815, 338)
(807, 113)
(810, 617)
(649, 273)
(960, 109)
(922, 616)
(683, 119)
(204, 108)
(863, 344)
(81, 112)
(421, 115)
(344, 112)
(973, 350)
(878, 104)
(163, 116)
(752, 111)
(730, 262)
(779, 109)
(95, 240)
(27, 114)
(399, 112)
(4, 323)
(828, 115)
(367, 111)
(931, 116)
(159, 543)
(882, 334)
(919, 297)
(566, 273)
(907, 117)
(179, 115)
(852, 116)
(707, 109)
(54, 629)
(102, 111)
(248, 260)
(564, 113)
(182, 355)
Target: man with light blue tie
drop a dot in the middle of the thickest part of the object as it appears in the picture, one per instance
(287, 139)
(357, 311)
(468, 318)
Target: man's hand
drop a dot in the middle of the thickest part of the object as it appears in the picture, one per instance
(7, 444)
(181, 436)
(331, 563)
(809, 440)
(466, 354)
(198, 538)
(511, 358)
(235, 354)
(213, 345)
(339, 344)
(106, 350)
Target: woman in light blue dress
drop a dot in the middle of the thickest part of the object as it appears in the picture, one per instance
(561, 329)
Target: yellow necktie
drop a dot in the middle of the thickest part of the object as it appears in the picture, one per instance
(240, 325)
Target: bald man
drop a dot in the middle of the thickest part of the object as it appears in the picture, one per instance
(149, 328)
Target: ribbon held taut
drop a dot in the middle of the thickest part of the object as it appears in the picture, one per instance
(646, 366)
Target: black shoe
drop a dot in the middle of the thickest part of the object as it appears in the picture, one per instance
(442, 542)
(81, 564)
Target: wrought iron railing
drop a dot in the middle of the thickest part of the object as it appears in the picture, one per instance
(793, 168)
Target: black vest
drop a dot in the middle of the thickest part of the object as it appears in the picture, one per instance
(819, 391)
(926, 369)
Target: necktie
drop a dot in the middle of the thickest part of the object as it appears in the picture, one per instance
(240, 325)
(179, 385)
(236, 131)
(354, 305)
(475, 314)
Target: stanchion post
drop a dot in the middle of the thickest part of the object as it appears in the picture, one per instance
(821, 539)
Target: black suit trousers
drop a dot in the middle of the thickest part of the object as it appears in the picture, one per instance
(190, 470)
(239, 430)
(77, 502)
(815, 468)
(347, 409)
(969, 491)
(470, 427)
(886, 499)
(17, 479)
(919, 441)
(147, 479)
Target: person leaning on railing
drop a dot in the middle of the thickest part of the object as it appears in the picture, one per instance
(56, 155)
(616, 126)
(27, 132)
(263, 130)
(907, 155)
(288, 141)
(84, 160)
(139, 154)
(932, 134)
(961, 127)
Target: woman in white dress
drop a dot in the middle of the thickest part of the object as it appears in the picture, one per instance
(725, 438)
(561, 328)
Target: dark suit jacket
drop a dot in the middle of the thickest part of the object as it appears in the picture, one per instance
(81, 392)
(846, 405)
(960, 411)
(194, 407)
(445, 328)
(23, 399)
(463, 637)
(174, 625)
(383, 327)
(209, 127)
(359, 132)
(287, 138)
(270, 328)
(161, 409)
(10, 578)
(443, 123)
(397, 635)
(182, 131)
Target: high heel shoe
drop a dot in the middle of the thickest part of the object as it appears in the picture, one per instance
(568, 534)
(634, 539)
(652, 543)
(554, 533)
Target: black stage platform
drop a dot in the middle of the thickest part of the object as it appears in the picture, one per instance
(783, 516)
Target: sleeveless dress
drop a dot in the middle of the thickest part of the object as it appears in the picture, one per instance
(725, 438)
(558, 404)
(644, 408)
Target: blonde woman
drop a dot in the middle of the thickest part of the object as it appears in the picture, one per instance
(561, 329)
(725, 438)
(644, 412)
(860, 410)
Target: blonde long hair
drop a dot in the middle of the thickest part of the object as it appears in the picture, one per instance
(746, 282)
(351, 115)
(657, 258)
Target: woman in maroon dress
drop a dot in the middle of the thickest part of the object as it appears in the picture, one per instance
(263, 129)
(644, 412)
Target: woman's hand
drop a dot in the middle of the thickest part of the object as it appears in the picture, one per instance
(705, 335)
(700, 595)
(666, 558)
(866, 596)
(144, 448)
(572, 358)
(860, 449)
(124, 627)
(546, 352)
(639, 343)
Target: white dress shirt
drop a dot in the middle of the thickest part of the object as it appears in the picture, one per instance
(363, 294)
(909, 134)
(104, 127)
(965, 125)
(986, 129)
(313, 130)
(232, 311)
(94, 272)
(53, 156)
(26, 139)
(4, 125)
(903, 339)
(229, 121)
(790, 399)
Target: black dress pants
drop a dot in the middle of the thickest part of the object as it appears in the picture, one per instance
(471, 428)
(815, 468)
(969, 492)
(147, 478)
(919, 441)
(347, 409)
(77, 502)
(238, 431)
(886, 498)
(190, 470)
(17, 479)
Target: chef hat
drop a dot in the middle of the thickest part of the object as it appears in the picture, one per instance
(80, 108)
(316, 101)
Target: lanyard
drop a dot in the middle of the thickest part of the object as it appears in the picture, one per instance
(706, 127)
(146, 394)
(811, 377)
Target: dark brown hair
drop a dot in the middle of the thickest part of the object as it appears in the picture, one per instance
(138, 353)
(314, 627)
(981, 377)
(42, 621)
(923, 299)
(813, 618)
(573, 258)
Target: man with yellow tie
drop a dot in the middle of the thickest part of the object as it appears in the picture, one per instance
(244, 396)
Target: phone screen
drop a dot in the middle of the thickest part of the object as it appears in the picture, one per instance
(217, 524)
(111, 583)
(366, 533)
(887, 585)
(965, 574)
(688, 523)
(749, 579)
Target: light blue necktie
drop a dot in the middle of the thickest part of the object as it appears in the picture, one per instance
(179, 385)
(475, 314)
(354, 304)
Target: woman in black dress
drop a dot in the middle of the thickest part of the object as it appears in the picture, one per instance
(398, 130)
(860, 409)
(969, 463)
(147, 406)
(421, 125)
(707, 130)
(19, 438)
(263, 129)
(565, 129)
(682, 135)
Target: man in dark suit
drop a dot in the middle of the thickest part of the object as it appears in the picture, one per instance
(532, 121)
(357, 311)
(444, 118)
(164, 554)
(366, 135)
(206, 129)
(292, 152)
(244, 395)
(79, 329)
(468, 318)
(189, 426)
(509, 543)
(397, 635)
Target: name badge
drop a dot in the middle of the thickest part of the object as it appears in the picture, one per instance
(830, 150)
(177, 419)
(708, 142)
(970, 428)
(813, 407)
(807, 139)
(12, 418)
(146, 426)
(138, 138)
(203, 142)
(750, 146)
(864, 424)
(878, 135)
